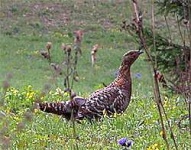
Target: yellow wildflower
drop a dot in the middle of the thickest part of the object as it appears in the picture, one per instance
(154, 147)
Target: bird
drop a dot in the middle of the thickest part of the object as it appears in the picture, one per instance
(114, 98)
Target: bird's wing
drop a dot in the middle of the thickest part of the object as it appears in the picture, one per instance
(79, 101)
(109, 99)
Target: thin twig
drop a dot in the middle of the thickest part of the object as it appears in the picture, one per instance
(180, 32)
(171, 131)
(139, 27)
(165, 114)
(153, 29)
(170, 36)
(157, 90)
(189, 69)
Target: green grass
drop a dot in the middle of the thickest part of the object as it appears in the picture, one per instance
(25, 31)
(37, 130)
(20, 50)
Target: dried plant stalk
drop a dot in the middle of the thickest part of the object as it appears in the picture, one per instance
(137, 23)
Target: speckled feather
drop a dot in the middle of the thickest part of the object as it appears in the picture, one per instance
(113, 98)
(109, 100)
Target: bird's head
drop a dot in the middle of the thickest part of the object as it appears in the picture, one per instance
(131, 56)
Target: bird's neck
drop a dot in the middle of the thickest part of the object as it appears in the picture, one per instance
(123, 79)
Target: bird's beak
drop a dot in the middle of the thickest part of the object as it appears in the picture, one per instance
(141, 51)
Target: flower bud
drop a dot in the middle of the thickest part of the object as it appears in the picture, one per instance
(48, 45)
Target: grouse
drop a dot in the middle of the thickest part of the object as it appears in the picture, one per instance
(111, 99)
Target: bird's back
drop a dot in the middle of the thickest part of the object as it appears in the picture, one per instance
(109, 100)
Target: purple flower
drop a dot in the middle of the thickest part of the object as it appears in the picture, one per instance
(129, 143)
(125, 142)
(122, 141)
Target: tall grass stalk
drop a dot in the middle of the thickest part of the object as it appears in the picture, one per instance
(180, 32)
(157, 95)
(166, 21)
(189, 69)
(138, 24)
(75, 137)
(156, 84)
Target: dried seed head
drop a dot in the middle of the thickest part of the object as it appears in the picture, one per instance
(185, 21)
(73, 94)
(95, 47)
(68, 48)
(63, 46)
(45, 54)
(20, 126)
(5, 140)
(48, 45)
(9, 76)
(78, 36)
(76, 78)
(6, 85)
(28, 116)
(46, 89)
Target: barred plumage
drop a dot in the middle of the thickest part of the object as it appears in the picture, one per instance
(113, 98)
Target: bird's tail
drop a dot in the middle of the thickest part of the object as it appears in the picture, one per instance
(58, 108)
(67, 108)
(55, 108)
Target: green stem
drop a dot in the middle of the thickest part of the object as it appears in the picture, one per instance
(74, 130)
(68, 73)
